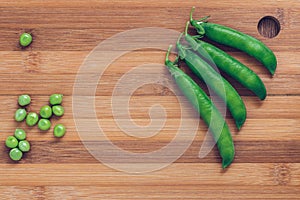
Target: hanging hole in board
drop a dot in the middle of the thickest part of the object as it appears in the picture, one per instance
(268, 26)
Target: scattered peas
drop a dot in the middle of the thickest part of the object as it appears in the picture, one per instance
(18, 143)
(56, 99)
(20, 114)
(59, 130)
(32, 118)
(24, 100)
(44, 124)
(20, 134)
(24, 146)
(46, 112)
(58, 110)
(11, 142)
(15, 154)
(25, 39)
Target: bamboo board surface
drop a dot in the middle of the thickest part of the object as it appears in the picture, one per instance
(267, 162)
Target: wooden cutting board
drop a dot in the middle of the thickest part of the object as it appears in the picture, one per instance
(267, 162)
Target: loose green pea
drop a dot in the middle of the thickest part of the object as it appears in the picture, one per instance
(32, 118)
(24, 146)
(58, 110)
(11, 142)
(59, 130)
(44, 124)
(20, 134)
(24, 100)
(46, 112)
(56, 99)
(20, 114)
(15, 154)
(25, 39)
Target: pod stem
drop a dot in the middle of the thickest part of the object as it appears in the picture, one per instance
(167, 60)
(203, 19)
(179, 38)
(191, 13)
(187, 46)
(168, 54)
(181, 48)
(197, 37)
(186, 28)
(197, 23)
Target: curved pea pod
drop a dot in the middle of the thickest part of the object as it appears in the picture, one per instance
(207, 110)
(229, 65)
(216, 82)
(233, 38)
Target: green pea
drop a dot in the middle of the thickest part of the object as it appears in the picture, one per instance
(59, 130)
(32, 118)
(15, 154)
(46, 112)
(20, 134)
(20, 114)
(44, 124)
(24, 146)
(56, 99)
(58, 110)
(24, 100)
(25, 39)
(11, 142)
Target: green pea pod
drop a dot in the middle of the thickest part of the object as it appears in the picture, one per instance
(228, 64)
(216, 82)
(207, 110)
(233, 38)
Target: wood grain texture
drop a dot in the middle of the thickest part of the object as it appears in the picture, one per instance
(267, 163)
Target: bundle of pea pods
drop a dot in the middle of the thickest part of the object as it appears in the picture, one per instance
(200, 57)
